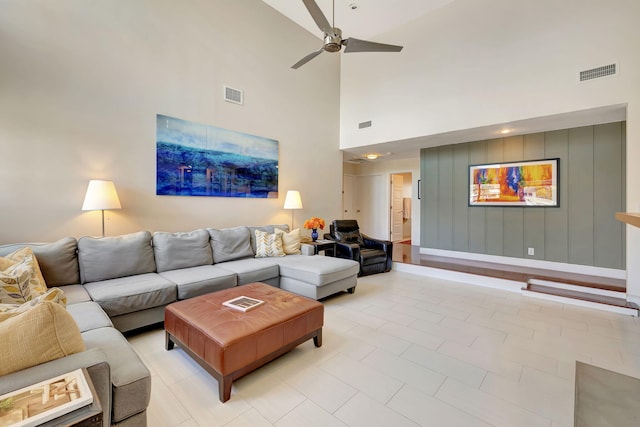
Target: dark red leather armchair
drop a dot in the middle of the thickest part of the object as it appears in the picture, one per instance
(374, 255)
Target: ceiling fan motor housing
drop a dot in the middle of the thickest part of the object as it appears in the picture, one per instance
(333, 42)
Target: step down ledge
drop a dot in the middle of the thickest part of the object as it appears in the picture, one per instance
(581, 303)
(578, 288)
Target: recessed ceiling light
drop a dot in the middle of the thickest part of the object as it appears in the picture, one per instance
(505, 131)
(372, 156)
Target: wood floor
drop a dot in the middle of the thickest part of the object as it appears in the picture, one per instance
(411, 255)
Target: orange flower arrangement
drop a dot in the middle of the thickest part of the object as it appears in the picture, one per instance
(314, 223)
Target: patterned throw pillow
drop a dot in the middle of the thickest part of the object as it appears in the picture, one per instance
(268, 245)
(290, 241)
(52, 295)
(20, 281)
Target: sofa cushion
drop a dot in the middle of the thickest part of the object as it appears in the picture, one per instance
(130, 378)
(181, 250)
(253, 270)
(133, 293)
(291, 241)
(58, 261)
(43, 333)
(229, 244)
(89, 315)
(112, 257)
(317, 270)
(268, 244)
(20, 278)
(195, 281)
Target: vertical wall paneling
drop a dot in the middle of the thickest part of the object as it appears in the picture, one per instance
(494, 233)
(533, 219)
(581, 196)
(607, 162)
(460, 197)
(556, 220)
(582, 230)
(513, 217)
(429, 206)
(445, 197)
(477, 222)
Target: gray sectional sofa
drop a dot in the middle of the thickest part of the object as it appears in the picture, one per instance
(118, 284)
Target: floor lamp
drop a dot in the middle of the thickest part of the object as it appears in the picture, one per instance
(101, 195)
(292, 201)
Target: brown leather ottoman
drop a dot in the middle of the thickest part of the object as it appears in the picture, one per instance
(229, 343)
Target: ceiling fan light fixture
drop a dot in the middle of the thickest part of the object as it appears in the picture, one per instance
(333, 42)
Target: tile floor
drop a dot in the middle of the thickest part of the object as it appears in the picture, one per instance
(407, 350)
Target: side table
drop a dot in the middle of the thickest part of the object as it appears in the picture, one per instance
(323, 245)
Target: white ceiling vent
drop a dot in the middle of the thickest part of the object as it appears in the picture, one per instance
(235, 96)
(596, 73)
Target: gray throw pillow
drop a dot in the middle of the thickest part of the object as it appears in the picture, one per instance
(112, 257)
(58, 261)
(230, 243)
(181, 250)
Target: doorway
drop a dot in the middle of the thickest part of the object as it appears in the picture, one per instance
(400, 218)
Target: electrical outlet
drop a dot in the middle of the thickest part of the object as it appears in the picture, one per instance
(531, 251)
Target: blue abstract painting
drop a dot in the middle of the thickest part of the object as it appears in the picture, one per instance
(200, 160)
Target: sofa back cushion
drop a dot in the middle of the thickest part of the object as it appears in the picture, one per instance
(181, 250)
(58, 261)
(228, 244)
(112, 257)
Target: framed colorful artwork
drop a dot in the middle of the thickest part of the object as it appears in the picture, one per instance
(194, 159)
(526, 183)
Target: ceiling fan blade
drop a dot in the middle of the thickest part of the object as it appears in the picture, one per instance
(357, 45)
(306, 59)
(318, 16)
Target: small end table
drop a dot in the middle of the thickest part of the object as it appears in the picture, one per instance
(323, 245)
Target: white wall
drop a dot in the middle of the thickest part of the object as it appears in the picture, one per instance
(81, 83)
(471, 64)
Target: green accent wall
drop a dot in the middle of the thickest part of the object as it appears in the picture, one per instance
(582, 230)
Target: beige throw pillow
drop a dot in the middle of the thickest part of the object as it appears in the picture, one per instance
(290, 241)
(21, 279)
(268, 245)
(43, 333)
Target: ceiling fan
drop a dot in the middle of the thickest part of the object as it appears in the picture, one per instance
(333, 40)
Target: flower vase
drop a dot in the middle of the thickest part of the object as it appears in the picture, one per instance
(314, 234)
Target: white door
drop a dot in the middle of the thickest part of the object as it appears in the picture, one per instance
(371, 201)
(349, 197)
(397, 183)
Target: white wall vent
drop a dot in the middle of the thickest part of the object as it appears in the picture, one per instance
(233, 95)
(596, 73)
(364, 125)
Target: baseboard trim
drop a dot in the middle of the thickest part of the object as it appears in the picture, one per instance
(532, 263)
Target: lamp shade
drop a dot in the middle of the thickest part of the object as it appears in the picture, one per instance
(293, 200)
(101, 195)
